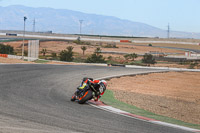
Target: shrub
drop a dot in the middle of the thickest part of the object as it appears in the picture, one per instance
(84, 48)
(96, 57)
(97, 51)
(148, 59)
(87, 43)
(193, 64)
(67, 55)
(110, 58)
(78, 41)
(130, 56)
(110, 46)
(54, 56)
(44, 51)
(150, 45)
(6, 49)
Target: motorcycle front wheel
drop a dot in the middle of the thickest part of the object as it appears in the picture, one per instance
(73, 98)
(86, 96)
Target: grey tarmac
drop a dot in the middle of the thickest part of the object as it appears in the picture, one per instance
(35, 98)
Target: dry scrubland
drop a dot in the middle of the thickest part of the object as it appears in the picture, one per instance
(166, 39)
(172, 94)
(58, 46)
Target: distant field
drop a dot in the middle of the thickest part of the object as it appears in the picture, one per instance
(187, 46)
(170, 39)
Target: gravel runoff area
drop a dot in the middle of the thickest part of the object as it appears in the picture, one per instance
(172, 94)
(13, 61)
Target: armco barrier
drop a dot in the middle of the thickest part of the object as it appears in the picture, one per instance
(164, 68)
(4, 55)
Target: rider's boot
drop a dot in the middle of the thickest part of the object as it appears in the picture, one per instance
(95, 99)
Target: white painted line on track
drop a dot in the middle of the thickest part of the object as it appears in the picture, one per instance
(102, 108)
(24, 130)
(175, 126)
(113, 109)
(164, 68)
(124, 113)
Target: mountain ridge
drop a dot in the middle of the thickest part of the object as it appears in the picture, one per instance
(67, 21)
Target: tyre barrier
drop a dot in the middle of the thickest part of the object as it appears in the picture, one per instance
(125, 41)
(4, 55)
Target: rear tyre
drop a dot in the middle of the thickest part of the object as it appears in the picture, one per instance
(85, 97)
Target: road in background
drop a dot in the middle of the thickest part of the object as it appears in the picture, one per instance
(99, 38)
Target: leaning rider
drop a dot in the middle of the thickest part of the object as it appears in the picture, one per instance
(99, 85)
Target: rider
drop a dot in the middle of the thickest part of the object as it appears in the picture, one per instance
(99, 86)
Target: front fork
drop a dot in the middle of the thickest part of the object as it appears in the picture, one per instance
(95, 96)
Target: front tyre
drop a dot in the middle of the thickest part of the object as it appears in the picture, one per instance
(85, 97)
(73, 98)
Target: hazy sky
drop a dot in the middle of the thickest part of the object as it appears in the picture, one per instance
(182, 15)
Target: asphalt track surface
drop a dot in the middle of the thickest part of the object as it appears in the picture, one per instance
(36, 99)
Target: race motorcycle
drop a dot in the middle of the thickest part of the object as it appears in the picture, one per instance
(86, 94)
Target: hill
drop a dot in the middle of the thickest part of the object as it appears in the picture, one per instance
(67, 21)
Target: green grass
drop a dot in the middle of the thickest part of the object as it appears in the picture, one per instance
(108, 98)
(12, 40)
(164, 62)
(41, 61)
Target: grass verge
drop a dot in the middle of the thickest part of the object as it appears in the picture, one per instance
(108, 98)
(41, 61)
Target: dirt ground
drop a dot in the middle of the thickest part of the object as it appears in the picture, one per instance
(13, 61)
(172, 94)
(58, 46)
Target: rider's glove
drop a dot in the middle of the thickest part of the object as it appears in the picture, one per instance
(98, 93)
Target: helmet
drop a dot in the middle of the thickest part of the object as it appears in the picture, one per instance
(103, 85)
(104, 82)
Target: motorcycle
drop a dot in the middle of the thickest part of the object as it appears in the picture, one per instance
(85, 94)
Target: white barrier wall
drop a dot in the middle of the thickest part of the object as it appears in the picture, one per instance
(33, 50)
(20, 57)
